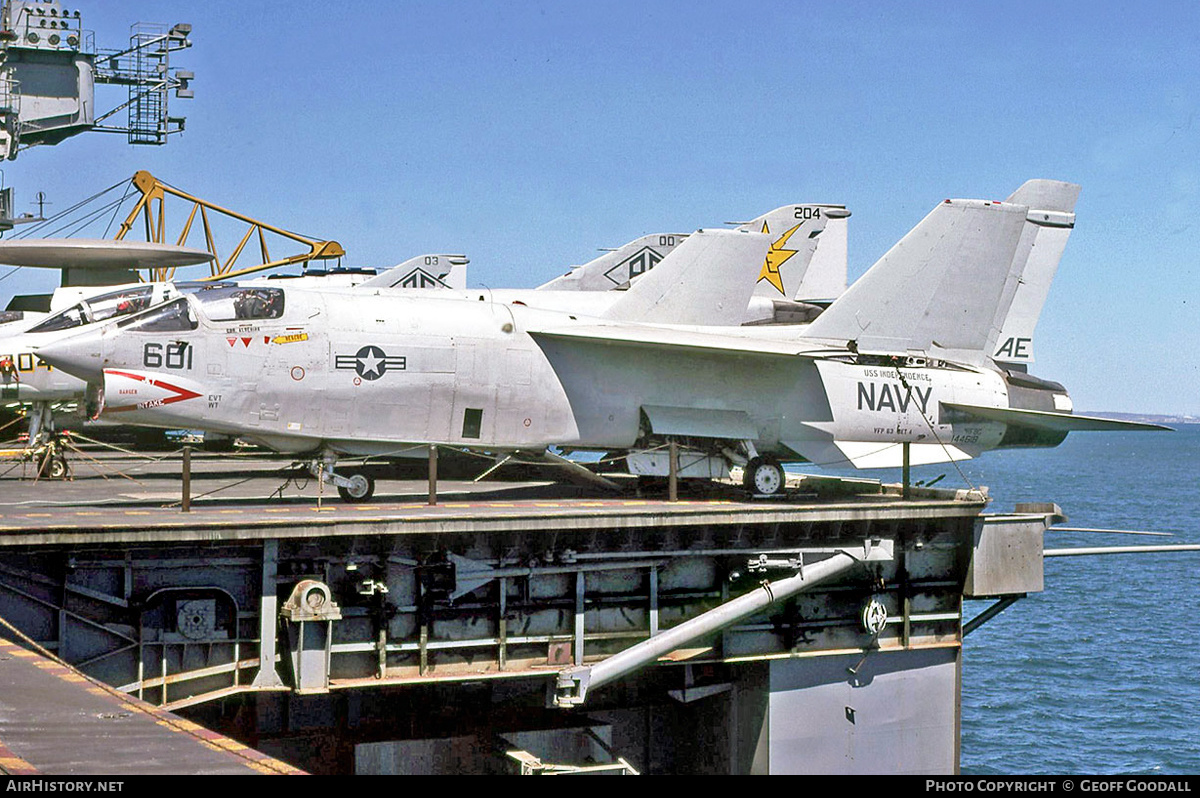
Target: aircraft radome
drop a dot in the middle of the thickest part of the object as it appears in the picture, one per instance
(903, 359)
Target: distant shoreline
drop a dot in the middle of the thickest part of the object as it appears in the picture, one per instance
(1149, 418)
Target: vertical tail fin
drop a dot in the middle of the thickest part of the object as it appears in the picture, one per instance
(797, 234)
(617, 267)
(424, 271)
(825, 279)
(1049, 223)
(939, 286)
(708, 279)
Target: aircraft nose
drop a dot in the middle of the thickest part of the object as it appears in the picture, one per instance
(80, 356)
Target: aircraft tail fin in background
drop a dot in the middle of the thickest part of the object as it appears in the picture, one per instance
(933, 288)
(825, 279)
(424, 271)
(1049, 223)
(706, 280)
(800, 265)
(616, 267)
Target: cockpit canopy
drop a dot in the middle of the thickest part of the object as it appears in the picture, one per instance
(240, 303)
(99, 308)
(174, 316)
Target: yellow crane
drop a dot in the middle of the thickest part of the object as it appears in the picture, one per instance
(152, 208)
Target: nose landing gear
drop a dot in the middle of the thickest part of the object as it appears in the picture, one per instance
(354, 485)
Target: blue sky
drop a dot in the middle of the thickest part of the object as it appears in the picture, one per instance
(528, 135)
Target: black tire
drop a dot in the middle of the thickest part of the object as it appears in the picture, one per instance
(362, 489)
(52, 467)
(764, 476)
(57, 468)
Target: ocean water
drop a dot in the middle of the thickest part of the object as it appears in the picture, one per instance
(1100, 673)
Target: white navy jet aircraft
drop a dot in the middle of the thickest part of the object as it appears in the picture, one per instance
(905, 358)
(27, 379)
(798, 269)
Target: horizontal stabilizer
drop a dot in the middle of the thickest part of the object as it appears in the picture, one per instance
(1059, 422)
(875, 454)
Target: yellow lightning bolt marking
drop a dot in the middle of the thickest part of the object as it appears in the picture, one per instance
(776, 257)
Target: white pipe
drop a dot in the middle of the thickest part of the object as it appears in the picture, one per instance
(573, 683)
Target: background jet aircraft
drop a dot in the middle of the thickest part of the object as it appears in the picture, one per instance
(804, 269)
(617, 267)
(903, 357)
(423, 271)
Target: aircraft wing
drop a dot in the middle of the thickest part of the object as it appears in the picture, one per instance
(645, 335)
(1060, 422)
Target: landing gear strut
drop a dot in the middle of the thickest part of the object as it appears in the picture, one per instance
(359, 487)
(763, 476)
(352, 486)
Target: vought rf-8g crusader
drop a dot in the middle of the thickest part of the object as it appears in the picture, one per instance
(907, 364)
(54, 396)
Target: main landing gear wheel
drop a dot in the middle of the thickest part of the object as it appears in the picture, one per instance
(763, 477)
(53, 467)
(360, 489)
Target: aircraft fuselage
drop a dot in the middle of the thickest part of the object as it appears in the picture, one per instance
(380, 373)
